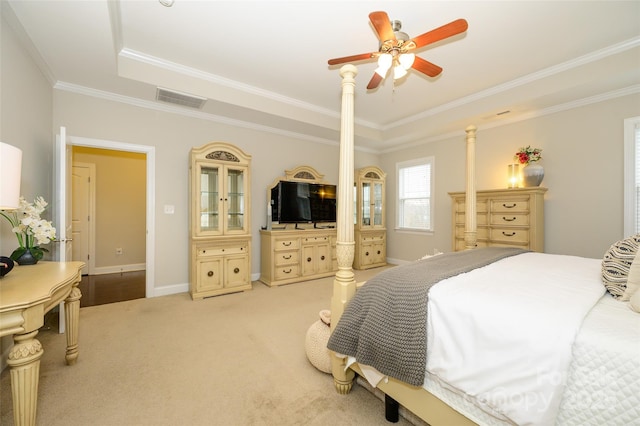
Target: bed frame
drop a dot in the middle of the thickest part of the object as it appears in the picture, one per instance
(417, 400)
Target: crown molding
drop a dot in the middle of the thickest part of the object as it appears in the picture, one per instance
(157, 106)
(403, 143)
(527, 79)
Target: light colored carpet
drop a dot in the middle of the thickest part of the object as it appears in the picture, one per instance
(237, 359)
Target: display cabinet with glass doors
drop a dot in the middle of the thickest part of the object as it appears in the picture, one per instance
(369, 218)
(220, 234)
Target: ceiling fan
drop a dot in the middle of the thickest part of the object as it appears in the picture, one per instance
(395, 48)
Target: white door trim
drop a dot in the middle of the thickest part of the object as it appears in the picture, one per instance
(150, 152)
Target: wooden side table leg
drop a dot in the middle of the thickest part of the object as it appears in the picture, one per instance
(72, 318)
(24, 361)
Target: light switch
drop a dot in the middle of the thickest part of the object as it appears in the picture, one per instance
(169, 209)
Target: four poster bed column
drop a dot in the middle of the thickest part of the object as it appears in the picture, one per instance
(344, 285)
(470, 230)
(419, 401)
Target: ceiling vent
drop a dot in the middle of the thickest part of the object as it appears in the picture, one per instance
(179, 98)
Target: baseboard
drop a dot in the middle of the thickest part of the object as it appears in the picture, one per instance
(397, 261)
(167, 290)
(183, 288)
(116, 269)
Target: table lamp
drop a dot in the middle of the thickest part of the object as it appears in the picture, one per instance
(10, 175)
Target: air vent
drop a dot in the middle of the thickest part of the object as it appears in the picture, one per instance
(178, 98)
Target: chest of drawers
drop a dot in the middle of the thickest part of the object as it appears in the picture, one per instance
(507, 217)
(288, 256)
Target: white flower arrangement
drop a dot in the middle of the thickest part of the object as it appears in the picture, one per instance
(30, 229)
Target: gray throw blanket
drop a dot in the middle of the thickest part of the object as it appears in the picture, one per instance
(385, 324)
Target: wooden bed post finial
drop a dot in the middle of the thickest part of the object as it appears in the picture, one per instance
(470, 230)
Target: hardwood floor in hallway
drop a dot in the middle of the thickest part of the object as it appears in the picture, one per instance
(111, 288)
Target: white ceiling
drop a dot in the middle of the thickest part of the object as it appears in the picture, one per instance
(264, 63)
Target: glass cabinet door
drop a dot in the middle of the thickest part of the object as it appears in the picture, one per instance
(366, 204)
(377, 204)
(209, 210)
(235, 200)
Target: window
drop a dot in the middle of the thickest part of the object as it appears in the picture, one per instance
(415, 189)
(632, 176)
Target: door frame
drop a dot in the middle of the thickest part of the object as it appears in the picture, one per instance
(150, 152)
(91, 263)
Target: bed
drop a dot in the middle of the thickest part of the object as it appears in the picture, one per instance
(469, 345)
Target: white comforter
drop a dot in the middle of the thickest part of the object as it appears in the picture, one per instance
(504, 338)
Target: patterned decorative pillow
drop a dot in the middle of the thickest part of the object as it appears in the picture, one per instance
(617, 263)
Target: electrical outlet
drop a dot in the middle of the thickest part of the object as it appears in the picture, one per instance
(119, 250)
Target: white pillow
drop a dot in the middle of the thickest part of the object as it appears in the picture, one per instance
(634, 303)
(633, 279)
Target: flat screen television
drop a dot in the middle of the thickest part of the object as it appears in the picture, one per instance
(302, 202)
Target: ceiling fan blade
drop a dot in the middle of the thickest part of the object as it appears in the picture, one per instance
(426, 67)
(375, 81)
(382, 25)
(452, 28)
(353, 58)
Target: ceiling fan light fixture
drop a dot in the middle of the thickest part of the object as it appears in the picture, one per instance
(382, 72)
(385, 60)
(399, 72)
(406, 60)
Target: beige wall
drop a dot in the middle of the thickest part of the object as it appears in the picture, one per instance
(25, 122)
(583, 161)
(120, 216)
(173, 136)
(582, 158)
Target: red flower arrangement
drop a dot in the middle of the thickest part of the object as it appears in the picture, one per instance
(528, 155)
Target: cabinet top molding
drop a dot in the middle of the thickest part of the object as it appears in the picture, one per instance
(304, 173)
(221, 151)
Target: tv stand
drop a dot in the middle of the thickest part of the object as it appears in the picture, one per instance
(294, 255)
(297, 253)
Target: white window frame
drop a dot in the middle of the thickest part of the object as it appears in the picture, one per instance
(412, 163)
(631, 175)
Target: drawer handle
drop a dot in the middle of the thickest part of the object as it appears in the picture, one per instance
(236, 270)
(378, 251)
(288, 272)
(366, 254)
(308, 259)
(321, 257)
(286, 257)
(507, 219)
(287, 244)
(510, 234)
(210, 273)
(510, 206)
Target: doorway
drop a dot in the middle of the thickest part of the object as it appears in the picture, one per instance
(148, 154)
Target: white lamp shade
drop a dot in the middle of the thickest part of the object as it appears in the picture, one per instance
(399, 72)
(384, 63)
(385, 60)
(10, 175)
(406, 60)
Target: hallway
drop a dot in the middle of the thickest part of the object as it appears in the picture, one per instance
(111, 288)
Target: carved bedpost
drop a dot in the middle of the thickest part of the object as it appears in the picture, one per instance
(344, 284)
(470, 233)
